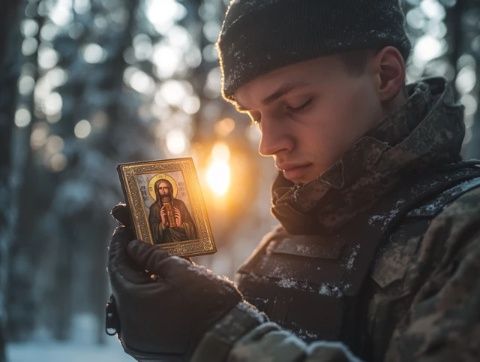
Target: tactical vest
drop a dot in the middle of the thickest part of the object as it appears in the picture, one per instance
(315, 285)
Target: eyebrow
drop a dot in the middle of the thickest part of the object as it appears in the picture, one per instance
(281, 91)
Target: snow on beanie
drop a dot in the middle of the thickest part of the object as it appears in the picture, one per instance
(259, 36)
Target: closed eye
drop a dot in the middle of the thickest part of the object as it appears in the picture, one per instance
(300, 107)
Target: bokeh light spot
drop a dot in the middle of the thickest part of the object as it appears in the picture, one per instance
(54, 144)
(93, 53)
(433, 9)
(22, 117)
(139, 80)
(29, 27)
(176, 141)
(39, 135)
(142, 47)
(82, 129)
(166, 60)
(466, 80)
(61, 13)
(29, 46)
(174, 92)
(470, 104)
(58, 162)
(428, 48)
(191, 105)
(163, 14)
(416, 18)
(224, 127)
(53, 104)
(47, 57)
(26, 84)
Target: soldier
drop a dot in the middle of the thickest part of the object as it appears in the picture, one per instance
(377, 255)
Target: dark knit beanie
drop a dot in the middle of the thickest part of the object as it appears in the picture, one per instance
(259, 36)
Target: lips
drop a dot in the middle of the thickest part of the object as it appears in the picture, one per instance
(294, 171)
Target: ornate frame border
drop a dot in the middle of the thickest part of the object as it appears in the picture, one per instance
(128, 172)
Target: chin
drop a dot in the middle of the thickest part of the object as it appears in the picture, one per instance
(311, 177)
(301, 180)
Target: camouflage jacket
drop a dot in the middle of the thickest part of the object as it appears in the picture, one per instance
(421, 296)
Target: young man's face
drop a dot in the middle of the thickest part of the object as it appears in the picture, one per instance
(310, 113)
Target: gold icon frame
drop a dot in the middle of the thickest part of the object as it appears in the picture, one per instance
(137, 179)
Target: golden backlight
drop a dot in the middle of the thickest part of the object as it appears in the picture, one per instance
(218, 172)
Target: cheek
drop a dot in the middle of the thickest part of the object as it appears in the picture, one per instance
(338, 122)
(352, 116)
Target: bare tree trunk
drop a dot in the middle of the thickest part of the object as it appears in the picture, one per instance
(9, 72)
(117, 66)
(20, 291)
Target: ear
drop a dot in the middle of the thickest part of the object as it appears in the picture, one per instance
(389, 68)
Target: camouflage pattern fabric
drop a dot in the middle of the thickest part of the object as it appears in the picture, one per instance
(424, 299)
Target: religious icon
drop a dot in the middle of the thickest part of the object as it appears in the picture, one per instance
(166, 205)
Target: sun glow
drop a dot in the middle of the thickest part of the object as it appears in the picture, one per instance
(218, 172)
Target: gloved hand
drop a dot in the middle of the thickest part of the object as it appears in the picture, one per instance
(165, 317)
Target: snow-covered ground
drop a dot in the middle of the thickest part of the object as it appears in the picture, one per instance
(63, 352)
(80, 348)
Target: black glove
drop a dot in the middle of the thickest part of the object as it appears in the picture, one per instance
(165, 317)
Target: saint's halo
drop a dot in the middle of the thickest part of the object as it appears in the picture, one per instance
(160, 176)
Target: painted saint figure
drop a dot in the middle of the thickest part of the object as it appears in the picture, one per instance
(169, 218)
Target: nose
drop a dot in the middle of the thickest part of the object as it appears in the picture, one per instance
(275, 138)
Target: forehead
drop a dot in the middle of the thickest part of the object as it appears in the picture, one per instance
(311, 73)
(162, 183)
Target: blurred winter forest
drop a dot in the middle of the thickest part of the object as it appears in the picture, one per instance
(88, 84)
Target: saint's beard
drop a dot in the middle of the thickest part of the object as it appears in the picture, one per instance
(166, 198)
